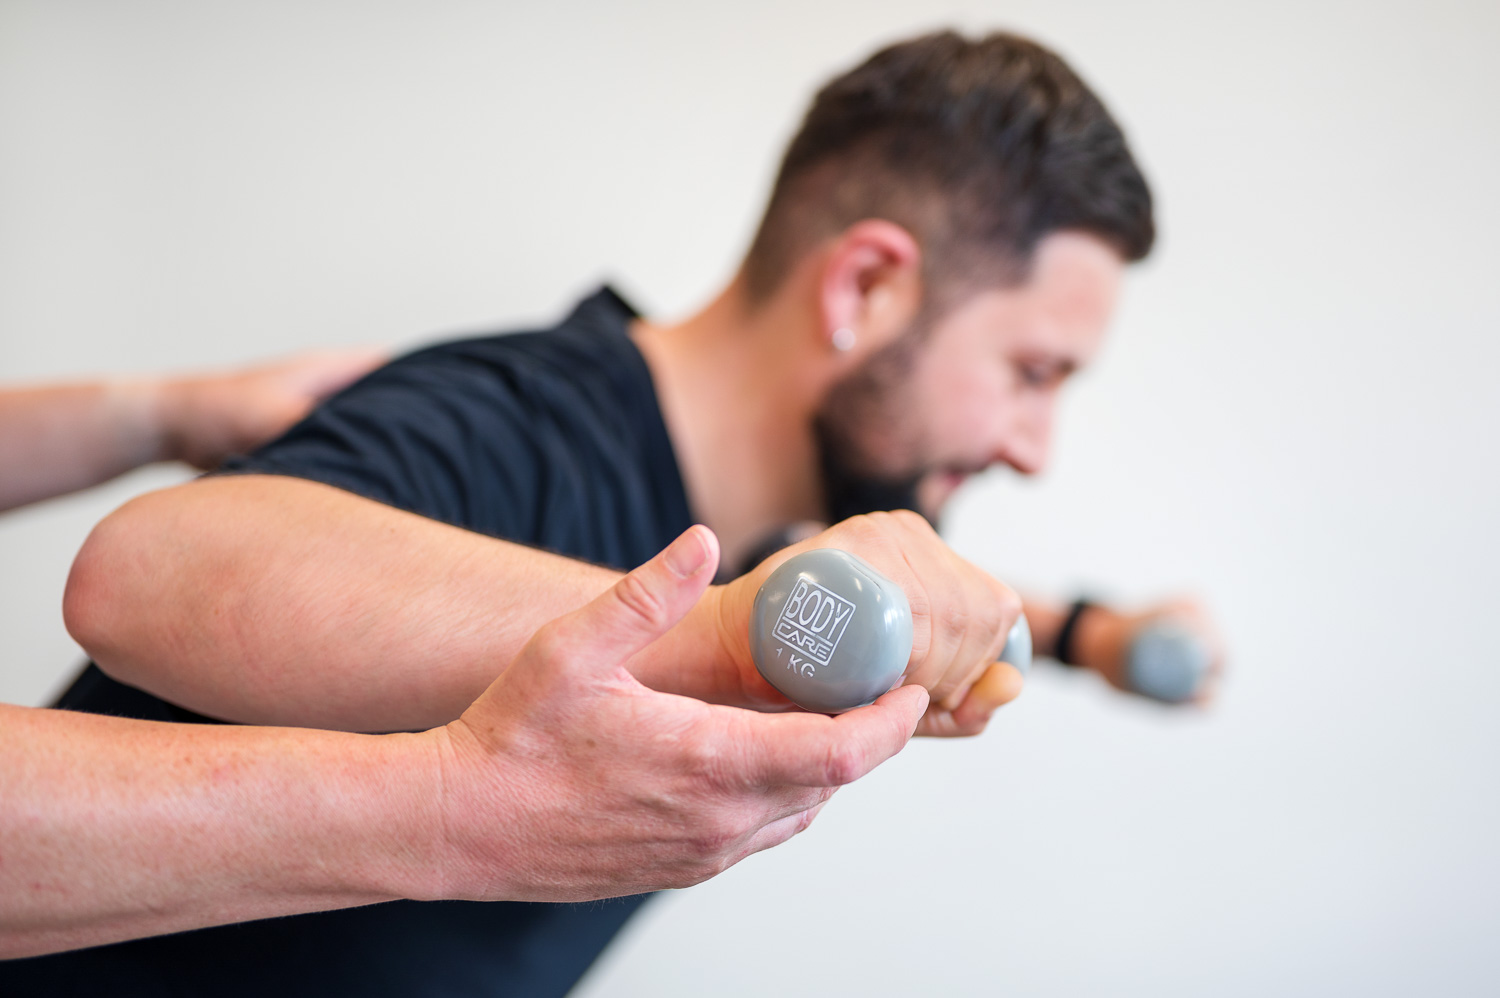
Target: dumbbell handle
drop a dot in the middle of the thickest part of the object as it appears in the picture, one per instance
(1018, 645)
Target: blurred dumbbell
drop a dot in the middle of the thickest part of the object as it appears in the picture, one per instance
(1167, 661)
(831, 633)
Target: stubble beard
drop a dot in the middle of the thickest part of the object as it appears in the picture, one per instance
(867, 437)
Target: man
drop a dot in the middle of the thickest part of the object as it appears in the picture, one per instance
(941, 251)
(315, 820)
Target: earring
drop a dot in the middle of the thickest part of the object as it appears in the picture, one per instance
(843, 339)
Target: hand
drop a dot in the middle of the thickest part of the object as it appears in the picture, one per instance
(205, 419)
(1104, 636)
(960, 618)
(568, 780)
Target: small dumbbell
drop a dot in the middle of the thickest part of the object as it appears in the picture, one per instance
(1167, 661)
(832, 633)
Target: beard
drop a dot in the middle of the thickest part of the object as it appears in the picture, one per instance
(849, 493)
(865, 437)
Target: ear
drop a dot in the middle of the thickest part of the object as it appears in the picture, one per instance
(871, 285)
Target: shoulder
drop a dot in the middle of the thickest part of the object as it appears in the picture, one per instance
(588, 357)
(501, 433)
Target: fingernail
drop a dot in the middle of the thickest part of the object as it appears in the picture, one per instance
(686, 554)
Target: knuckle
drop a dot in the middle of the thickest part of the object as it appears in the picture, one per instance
(703, 758)
(842, 765)
(864, 529)
(1006, 601)
(714, 840)
(957, 620)
(871, 536)
(970, 725)
(911, 521)
(711, 868)
(551, 643)
(640, 600)
(996, 626)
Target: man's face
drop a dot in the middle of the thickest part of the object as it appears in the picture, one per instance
(977, 388)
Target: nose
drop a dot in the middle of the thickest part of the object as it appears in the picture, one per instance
(1027, 444)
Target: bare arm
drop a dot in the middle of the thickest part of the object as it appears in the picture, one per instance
(1103, 634)
(57, 439)
(568, 780)
(63, 438)
(113, 829)
(275, 600)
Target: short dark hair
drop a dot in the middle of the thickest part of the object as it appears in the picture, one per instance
(979, 148)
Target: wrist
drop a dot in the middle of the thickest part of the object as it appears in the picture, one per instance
(726, 622)
(398, 848)
(707, 655)
(474, 836)
(143, 415)
(166, 412)
(1099, 641)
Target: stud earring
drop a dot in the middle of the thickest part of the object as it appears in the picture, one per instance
(843, 339)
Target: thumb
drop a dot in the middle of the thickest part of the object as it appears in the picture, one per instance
(646, 603)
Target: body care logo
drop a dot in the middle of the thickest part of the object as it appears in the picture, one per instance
(812, 622)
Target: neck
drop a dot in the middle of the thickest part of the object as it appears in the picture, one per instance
(739, 410)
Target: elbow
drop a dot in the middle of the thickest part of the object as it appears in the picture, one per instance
(105, 597)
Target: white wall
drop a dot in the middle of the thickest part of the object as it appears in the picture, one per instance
(1297, 416)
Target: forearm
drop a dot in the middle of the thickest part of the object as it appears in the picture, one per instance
(279, 601)
(62, 438)
(113, 829)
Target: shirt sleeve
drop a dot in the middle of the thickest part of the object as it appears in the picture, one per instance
(432, 433)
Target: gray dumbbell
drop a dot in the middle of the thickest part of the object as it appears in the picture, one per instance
(832, 633)
(1017, 650)
(1167, 662)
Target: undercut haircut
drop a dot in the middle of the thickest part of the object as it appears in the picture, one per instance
(977, 147)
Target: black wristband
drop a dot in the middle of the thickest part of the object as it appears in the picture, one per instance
(1064, 651)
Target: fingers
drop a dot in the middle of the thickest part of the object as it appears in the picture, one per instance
(813, 750)
(965, 612)
(1000, 684)
(994, 609)
(640, 608)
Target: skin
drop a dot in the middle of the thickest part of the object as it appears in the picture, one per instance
(408, 617)
(541, 790)
(583, 772)
(56, 439)
(1103, 636)
(215, 593)
(741, 386)
(577, 753)
(984, 391)
(985, 381)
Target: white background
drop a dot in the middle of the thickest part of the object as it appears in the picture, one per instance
(1296, 417)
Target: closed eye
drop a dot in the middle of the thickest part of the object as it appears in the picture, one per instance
(1044, 373)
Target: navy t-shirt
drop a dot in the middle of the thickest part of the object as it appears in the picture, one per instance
(551, 438)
